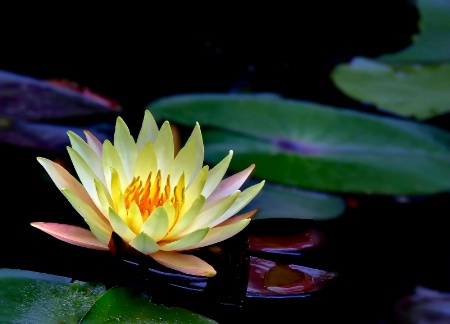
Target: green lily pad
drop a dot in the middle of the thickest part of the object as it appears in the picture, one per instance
(121, 305)
(420, 91)
(432, 44)
(31, 297)
(276, 201)
(314, 146)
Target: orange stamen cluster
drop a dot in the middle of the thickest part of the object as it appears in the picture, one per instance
(148, 196)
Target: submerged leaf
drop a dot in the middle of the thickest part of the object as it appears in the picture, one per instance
(420, 91)
(315, 146)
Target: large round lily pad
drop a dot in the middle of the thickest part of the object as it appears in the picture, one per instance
(314, 146)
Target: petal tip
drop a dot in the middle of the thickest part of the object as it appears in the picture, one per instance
(211, 274)
(36, 224)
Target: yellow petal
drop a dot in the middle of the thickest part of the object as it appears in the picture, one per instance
(185, 263)
(208, 216)
(85, 174)
(185, 220)
(244, 198)
(170, 210)
(144, 244)
(219, 234)
(71, 234)
(120, 227)
(94, 143)
(134, 218)
(115, 188)
(91, 216)
(126, 147)
(122, 209)
(111, 160)
(216, 174)
(229, 185)
(184, 162)
(164, 149)
(87, 154)
(146, 162)
(194, 190)
(99, 233)
(185, 242)
(148, 132)
(157, 224)
(103, 197)
(198, 158)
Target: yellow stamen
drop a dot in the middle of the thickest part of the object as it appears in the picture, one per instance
(148, 196)
(178, 197)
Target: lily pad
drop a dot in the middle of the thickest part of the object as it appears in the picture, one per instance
(420, 91)
(121, 305)
(432, 44)
(314, 146)
(31, 297)
(275, 201)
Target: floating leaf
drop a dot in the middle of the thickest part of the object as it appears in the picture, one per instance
(420, 91)
(315, 146)
(432, 44)
(121, 305)
(25, 98)
(276, 201)
(31, 297)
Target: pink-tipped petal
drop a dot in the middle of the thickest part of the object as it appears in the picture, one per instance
(216, 174)
(94, 143)
(185, 263)
(63, 179)
(71, 234)
(229, 185)
(244, 198)
(238, 218)
(219, 234)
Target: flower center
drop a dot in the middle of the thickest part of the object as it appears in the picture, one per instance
(148, 196)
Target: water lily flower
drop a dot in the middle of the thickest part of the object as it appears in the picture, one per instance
(162, 205)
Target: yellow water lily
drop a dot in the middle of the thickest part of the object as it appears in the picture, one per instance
(161, 204)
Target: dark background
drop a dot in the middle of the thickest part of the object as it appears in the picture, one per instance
(136, 54)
